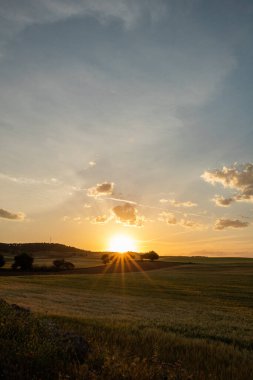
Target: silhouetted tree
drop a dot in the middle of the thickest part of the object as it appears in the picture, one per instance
(152, 255)
(2, 261)
(131, 255)
(62, 264)
(105, 258)
(23, 261)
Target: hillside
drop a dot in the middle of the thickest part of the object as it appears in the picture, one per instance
(41, 248)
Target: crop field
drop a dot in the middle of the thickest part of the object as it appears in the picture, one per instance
(193, 320)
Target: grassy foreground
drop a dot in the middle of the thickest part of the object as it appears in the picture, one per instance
(187, 322)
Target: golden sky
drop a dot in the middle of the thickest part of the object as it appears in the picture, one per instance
(131, 118)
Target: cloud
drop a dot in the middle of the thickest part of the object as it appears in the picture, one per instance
(29, 181)
(182, 204)
(188, 223)
(223, 202)
(171, 219)
(17, 16)
(100, 219)
(175, 203)
(168, 217)
(127, 214)
(222, 224)
(238, 177)
(121, 200)
(77, 219)
(101, 189)
(8, 215)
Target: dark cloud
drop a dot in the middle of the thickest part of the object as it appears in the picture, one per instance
(223, 202)
(8, 215)
(222, 224)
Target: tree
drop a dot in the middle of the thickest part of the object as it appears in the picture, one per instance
(105, 258)
(62, 264)
(23, 261)
(131, 255)
(151, 255)
(2, 261)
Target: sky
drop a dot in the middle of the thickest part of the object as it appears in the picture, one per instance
(127, 117)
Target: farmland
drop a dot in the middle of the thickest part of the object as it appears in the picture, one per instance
(193, 320)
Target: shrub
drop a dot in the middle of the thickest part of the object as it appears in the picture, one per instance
(63, 265)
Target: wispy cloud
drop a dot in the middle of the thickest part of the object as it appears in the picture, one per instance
(86, 205)
(11, 216)
(171, 219)
(189, 223)
(17, 15)
(175, 203)
(29, 181)
(222, 224)
(168, 217)
(121, 200)
(163, 200)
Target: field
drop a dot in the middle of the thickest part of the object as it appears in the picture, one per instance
(192, 320)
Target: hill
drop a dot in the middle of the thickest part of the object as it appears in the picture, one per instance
(42, 248)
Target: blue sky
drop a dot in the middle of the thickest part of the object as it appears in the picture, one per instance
(142, 97)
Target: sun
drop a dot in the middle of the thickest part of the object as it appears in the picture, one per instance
(121, 244)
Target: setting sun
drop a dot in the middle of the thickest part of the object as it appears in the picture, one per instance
(122, 243)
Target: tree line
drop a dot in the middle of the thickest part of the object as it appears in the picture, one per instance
(151, 256)
(24, 262)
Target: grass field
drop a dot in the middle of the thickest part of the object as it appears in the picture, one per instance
(192, 321)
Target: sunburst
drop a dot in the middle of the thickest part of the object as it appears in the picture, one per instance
(122, 244)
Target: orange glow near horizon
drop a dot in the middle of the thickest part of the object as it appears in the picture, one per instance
(121, 244)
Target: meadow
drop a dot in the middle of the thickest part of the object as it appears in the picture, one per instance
(190, 321)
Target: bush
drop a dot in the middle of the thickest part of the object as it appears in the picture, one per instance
(63, 265)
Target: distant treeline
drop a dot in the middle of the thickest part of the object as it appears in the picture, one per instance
(40, 247)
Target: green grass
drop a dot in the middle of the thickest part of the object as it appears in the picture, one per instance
(191, 322)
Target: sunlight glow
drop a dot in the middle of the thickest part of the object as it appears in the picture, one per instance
(121, 244)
